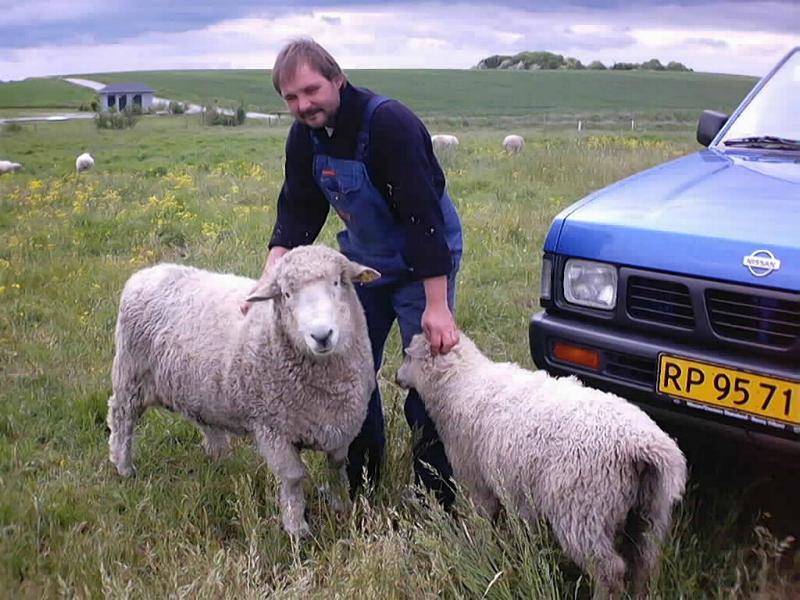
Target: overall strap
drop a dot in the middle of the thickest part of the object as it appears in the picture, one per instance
(362, 142)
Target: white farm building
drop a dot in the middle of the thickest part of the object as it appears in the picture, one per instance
(122, 96)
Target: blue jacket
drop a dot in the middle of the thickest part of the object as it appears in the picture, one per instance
(401, 165)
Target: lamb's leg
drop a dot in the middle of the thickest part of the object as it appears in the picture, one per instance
(216, 442)
(591, 545)
(284, 461)
(338, 480)
(123, 412)
(642, 545)
(485, 501)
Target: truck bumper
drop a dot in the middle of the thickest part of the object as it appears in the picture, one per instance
(628, 368)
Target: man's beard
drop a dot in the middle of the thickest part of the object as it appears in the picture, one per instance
(311, 113)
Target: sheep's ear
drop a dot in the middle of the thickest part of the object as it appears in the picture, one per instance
(360, 273)
(265, 291)
(419, 347)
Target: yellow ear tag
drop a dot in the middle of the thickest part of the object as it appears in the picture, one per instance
(368, 276)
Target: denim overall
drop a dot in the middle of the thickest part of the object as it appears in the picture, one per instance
(374, 238)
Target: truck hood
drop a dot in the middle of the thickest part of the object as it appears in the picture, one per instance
(699, 215)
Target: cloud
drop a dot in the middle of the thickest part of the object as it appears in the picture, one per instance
(100, 36)
(707, 42)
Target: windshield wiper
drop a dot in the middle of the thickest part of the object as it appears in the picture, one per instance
(764, 141)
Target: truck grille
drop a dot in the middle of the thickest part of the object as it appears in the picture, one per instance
(752, 318)
(660, 301)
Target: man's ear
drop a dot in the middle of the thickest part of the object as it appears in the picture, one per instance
(356, 272)
(265, 291)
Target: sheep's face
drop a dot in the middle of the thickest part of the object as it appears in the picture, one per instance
(313, 290)
(416, 361)
(422, 370)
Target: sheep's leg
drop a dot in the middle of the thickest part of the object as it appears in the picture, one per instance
(642, 545)
(285, 462)
(591, 546)
(339, 483)
(123, 413)
(216, 442)
(485, 501)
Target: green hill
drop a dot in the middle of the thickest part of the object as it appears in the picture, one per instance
(43, 93)
(468, 92)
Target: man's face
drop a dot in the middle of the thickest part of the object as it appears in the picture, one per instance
(310, 97)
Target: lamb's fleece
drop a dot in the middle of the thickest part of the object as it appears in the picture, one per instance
(593, 465)
(183, 344)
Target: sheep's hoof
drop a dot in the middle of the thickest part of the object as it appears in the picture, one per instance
(337, 502)
(216, 452)
(298, 532)
(126, 471)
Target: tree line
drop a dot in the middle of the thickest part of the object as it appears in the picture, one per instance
(531, 61)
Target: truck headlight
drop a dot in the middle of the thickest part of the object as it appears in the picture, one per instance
(590, 283)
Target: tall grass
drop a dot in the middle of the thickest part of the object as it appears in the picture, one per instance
(171, 190)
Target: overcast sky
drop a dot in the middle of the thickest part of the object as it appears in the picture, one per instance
(55, 37)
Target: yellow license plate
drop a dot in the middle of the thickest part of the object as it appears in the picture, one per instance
(759, 395)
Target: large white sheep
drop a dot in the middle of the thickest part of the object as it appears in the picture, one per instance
(513, 144)
(295, 373)
(6, 166)
(443, 141)
(593, 465)
(84, 162)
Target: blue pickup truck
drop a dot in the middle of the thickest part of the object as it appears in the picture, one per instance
(679, 287)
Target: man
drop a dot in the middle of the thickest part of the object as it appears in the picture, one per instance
(371, 159)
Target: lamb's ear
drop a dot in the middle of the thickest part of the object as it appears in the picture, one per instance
(419, 347)
(356, 272)
(266, 290)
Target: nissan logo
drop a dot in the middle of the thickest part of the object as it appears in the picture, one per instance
(761, 263)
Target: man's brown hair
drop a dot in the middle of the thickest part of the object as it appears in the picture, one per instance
(299, 52)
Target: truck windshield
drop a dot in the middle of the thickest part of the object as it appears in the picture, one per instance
(774, 113)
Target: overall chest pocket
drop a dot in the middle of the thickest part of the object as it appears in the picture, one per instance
(342, 178)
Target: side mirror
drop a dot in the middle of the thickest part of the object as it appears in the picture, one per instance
(709, 125)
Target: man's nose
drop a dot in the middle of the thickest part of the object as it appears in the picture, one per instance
(303, 105)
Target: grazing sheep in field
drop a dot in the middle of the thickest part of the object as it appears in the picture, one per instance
(295, 373)
(443, 141)
(513, 144)
(593, 465)
(6, 166)
(84, 162)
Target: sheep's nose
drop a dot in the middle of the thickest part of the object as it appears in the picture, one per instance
(324, 338)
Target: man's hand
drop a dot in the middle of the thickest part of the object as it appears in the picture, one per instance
(440, 329)
(437, 320)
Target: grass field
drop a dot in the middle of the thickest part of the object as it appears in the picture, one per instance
(171, 190)
(43, 93)
(466, 93)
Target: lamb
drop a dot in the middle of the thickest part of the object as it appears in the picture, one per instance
(513, 144)
(84, 162)
(295, 373)
(6, 166)
(593, 465)
(443, 141)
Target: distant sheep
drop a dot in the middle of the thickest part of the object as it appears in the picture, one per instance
(6, 166)
(513, 144)
(295, 373)
(84, 162)
(596, 467)
(443, 141)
